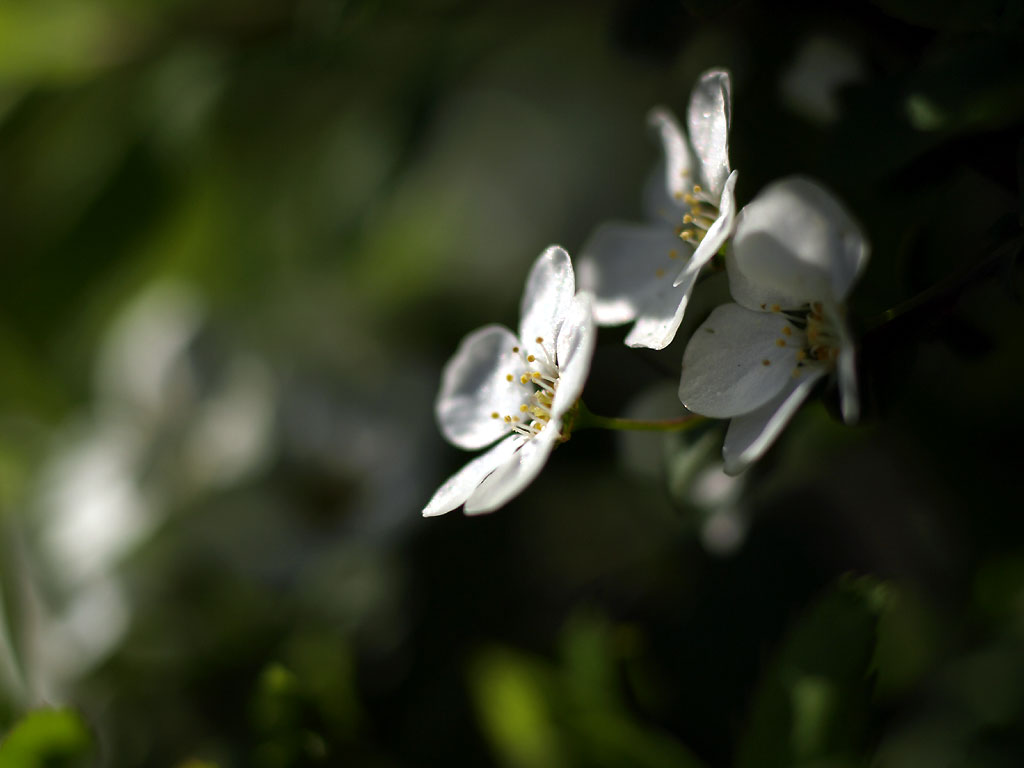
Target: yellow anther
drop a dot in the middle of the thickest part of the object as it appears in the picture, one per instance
(494, 415)
(659, 272)
(536, 374)
(530, 358)
(780, 342)
(686, 234)
(787, 330)
(540, 339)
(508, 419)
(515, 349)
(766, 362)
(691, 200)
(524, 408)
(524, 378)
(800, 354)
(697, 189)
(776, 308)
(673, 254)
(677, 195)
(687, 219)
(508, 377)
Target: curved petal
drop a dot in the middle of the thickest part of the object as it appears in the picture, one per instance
(475, 385)
(751, 434)
(674, 176)
(511, 477)
(659, 320)
(846, 368)
(708, 119)
(624, 264)
(737, 361)
(457, 488)
(795, 238)
(550, 287)
(718, 233)
(576, 342)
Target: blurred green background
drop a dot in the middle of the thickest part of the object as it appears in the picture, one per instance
(240, 240)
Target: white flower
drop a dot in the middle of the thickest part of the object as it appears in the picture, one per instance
(794, 259)
(691, 205)
(498, 385)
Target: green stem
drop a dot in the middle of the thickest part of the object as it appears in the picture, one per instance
(585, 418)
(944, 288)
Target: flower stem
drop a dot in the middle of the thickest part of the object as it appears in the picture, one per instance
(585, 418)
(945, 289)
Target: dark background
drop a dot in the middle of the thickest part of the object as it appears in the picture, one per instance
(240, 240)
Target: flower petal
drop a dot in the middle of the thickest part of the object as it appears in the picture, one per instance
(550, 287)
(717, 234)
(796, 239)
(846, 368)
(475, 384)
(708, 119)
(659, 320)
(511, 477)
(460, 486)
(663, 195)
(576, 341)
(751, 434)
(624, 264)
(737, 361)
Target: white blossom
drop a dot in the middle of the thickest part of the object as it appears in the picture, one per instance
(794, 259)
(646, 272)
(515, 389)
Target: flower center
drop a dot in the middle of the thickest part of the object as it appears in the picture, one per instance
(539, 381)
(810, 332)
(703, 213)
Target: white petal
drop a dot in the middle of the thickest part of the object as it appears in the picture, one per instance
(796, 239)
(708, 119)
(750, 435)
(509, 479)
(846, 368)
(674, 176)
(624, 264)
(576, 341)
(718, 233)
(549, 291)
(461, 485)
(659, 320)
(475, 385)
(734, 362)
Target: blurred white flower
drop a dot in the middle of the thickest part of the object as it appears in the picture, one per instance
(810, 85)
(691, 207)
(794, 259)
(498, 385)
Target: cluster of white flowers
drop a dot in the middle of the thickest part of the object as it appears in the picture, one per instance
(791, 255)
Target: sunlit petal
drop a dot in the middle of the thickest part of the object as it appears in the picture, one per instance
(623, 265)
(481, 379)
(751, 434)
(549, 290)
(512, 476)
(708, 119)
(736, 361)
(576, 341)
(461, 485)
(795, 239)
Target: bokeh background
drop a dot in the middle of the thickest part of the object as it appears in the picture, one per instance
(241, 238)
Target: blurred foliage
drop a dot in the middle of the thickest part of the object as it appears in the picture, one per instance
(240, 239)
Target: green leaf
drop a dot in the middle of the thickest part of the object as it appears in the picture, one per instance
(811, 705)
(54, 738)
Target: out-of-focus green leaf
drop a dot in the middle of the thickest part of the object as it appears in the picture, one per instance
(511, 693)
(811, 704)
(48, 738)
(539, 715)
